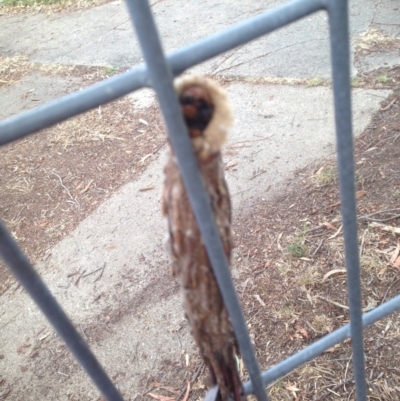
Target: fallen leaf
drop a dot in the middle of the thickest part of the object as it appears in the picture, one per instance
(331, 273)
(387, 251)
(387, 327)
(310, 298)
(303, 332)
(148, 188)
(335, 204)
(337, 232)
(332, 349)
(146, 157)
(382, 271)
(230, 164)
(143, 121)
(395, 253)
(329, 225)
(372, 304)
(161, 397)
(258, 298)
(292, 388)
(360, 194)
(186, 396)
(391, 229)
(371, 149)
(397, 262)
(87, 187)
(320, 170)
(170, 389)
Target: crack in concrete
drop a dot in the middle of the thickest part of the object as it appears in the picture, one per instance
(267, 54)
(374, 14)
(81, 46)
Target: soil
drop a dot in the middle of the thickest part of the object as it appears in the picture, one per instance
(294, 288)
(53, 180)
(289, 249)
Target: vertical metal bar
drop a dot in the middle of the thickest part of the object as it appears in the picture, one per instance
(37, 289)
(161, 78)
(340, 54)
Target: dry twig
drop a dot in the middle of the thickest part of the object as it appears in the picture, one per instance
(101, 273)
(390, 229)
(75, 201)
(389, 105)
(324, 395)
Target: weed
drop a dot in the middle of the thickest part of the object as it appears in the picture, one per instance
(109, 71)
(309, 277)
(326, 176)
(286, 312)
(383, 79)
(314, 82)
(297, 248)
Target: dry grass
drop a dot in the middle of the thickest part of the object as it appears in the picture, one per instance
(288, 299)
(53, 180)
(304, 292)
(374, 39)
(13, 69)
(47, 6)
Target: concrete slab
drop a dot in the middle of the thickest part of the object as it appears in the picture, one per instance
(373, 61)
(33, 91)
(136, 304)
(278, 129)
(104, 36)
(277, 134)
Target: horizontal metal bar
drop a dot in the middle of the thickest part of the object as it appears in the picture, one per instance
(161, 77)
(242, 33)
(79, 102)
(318, 347)
(37, 289)
(71, 105)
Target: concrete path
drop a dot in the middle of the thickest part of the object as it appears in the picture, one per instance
(104, 36)
(279, 128)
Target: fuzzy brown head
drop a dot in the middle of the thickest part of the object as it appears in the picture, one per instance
(206, 111)
(197, 107)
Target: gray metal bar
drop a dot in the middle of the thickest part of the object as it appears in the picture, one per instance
(161, 77)
(71, 105)
(318, 347)
(37, 289)
(340, 56)
(242, 33)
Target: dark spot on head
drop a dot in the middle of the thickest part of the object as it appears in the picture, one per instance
(197, 107)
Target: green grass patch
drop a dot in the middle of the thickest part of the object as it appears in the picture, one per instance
(326, 176)
(383, 79)
(297, 247)
(315, 82)
(110, 71)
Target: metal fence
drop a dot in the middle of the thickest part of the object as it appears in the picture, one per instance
(158, 74)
